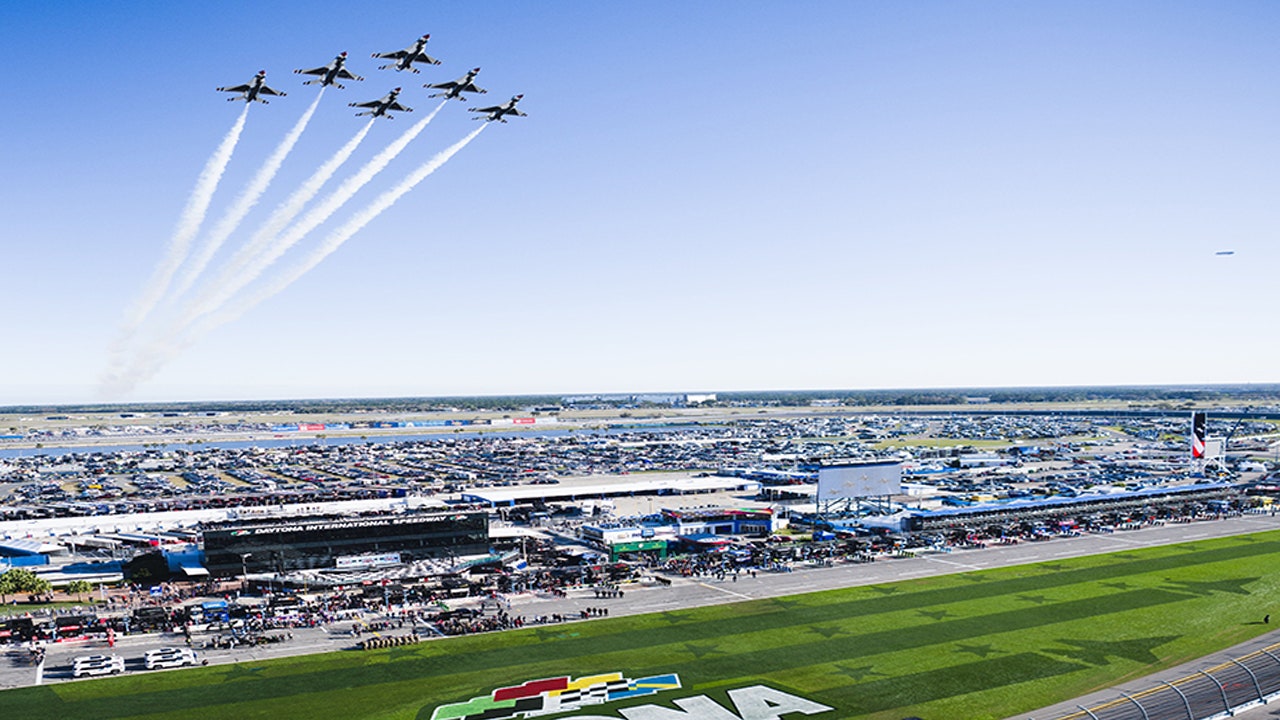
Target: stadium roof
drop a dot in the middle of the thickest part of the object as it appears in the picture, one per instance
(665, 486)
(28, 547)
(1156, 493)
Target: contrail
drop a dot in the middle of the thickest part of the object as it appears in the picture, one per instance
(120, 378)
(188, 225)
(290, 208)
(149, 362)
(354, 225)
(310, 221)
(247, 199)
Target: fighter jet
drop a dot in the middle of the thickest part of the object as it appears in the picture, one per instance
(455, 88)
(252, 89)
(330, 73)
(404, 59)
(497, 111)
(382, 106)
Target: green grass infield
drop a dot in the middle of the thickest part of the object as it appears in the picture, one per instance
(988, 644)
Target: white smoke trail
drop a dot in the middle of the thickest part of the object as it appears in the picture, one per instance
(188, 225)
(352, 226)
(310, 221)
(290, 208)
(246, 200)
(149, 362)
(189, 222)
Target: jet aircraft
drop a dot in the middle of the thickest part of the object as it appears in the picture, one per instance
(383, 105)
(404, 59)
(252, 89)
(455, 88)
(497, 111)
(329, 74)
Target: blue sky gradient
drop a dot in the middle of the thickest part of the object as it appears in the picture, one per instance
(705, 196)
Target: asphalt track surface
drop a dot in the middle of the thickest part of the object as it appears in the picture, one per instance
(684, 593)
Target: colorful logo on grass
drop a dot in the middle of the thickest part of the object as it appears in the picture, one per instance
(554, 695)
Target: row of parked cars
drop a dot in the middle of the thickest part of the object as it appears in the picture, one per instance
(169, 657)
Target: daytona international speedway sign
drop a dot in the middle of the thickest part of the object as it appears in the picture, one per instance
(565, 694)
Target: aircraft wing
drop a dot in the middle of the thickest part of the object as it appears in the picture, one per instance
(235, 88)
(345, 74)
(392, 55)
(370, 104)
(471, 88)
(444, 85)
(425, 58)
(397, 107)
(517, 113)
(494, 108)
(264, 90)
(314, 71)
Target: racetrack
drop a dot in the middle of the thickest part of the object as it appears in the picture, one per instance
(971, 644)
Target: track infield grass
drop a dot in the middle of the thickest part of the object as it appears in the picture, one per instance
(987, 644)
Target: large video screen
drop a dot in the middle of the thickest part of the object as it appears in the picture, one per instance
(861, 480)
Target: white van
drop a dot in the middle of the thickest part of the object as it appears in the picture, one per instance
(97, 665)
(169, 657)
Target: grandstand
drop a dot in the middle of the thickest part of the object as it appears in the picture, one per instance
(1033, 509)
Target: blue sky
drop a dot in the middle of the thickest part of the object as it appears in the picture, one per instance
(705, 196)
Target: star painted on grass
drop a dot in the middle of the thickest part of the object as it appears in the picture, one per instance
(545, 634)
(973, 578)
(1037, 599)
(935, 614)
(671, 617)
(1125, 556)
(701, 651)
(399, 653)
(858, 673)
(240, 671)
(1118, 585)
(1189, 547)
(1208, 587)
(980, 650)
(1099, 652)
(1054, 567)
(884, 590)
(786, 603)
(828, 631)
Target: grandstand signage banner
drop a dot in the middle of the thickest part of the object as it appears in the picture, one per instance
(348, 562)
(859, 480)
(331, 525)
(565, 694)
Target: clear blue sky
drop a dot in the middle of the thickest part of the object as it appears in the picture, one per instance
(706, 195)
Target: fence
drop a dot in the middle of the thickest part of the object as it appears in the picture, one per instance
(1217, 692)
